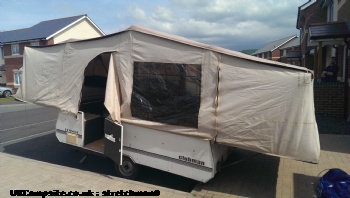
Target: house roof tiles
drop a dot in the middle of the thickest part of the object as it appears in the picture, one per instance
(274, 45)
(41, 30)
(293, 43)
(10, 35)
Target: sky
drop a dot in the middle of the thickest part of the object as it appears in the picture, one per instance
(232, 24)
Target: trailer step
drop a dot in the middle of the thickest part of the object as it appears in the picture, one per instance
(97, 146)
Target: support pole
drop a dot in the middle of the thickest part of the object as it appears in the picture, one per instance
(319, 62)
(346, 86)
(315, 62)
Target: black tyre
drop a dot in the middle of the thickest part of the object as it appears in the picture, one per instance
(6, 93)
(128, 169)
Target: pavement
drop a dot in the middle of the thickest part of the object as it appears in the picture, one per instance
(257, 176)
(269, 176)
(18, 173)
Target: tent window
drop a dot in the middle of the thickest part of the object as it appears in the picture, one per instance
(167, 92)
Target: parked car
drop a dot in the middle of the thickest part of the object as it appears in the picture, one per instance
(6, 91)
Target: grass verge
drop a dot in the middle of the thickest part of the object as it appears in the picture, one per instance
(9, 99)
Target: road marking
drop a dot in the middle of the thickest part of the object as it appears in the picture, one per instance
(27, 125)
(27, 137)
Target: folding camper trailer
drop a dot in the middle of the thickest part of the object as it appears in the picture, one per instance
(145, 97)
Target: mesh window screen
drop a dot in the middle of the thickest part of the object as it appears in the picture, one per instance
(167, 93)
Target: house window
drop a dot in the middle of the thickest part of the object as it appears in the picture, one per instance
(15, 49)
(330, 11)
(166, 93)
(17, 77)
(36, 43)
(2, 53)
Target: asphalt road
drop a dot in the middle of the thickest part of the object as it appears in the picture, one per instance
(28, 131)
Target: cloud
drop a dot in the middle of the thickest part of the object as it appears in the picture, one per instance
(164, 14)
(232, 24)
(228, 24)
(138, 13)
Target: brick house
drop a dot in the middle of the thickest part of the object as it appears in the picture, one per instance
(2, 75)
(2, 67)
(325, 33)
(290, 53)
(271, 50)
(308, 13)
(48, 32)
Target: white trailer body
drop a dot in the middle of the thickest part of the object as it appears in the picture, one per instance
(189, 157)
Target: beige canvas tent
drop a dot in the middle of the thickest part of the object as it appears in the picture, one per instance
(172, 84)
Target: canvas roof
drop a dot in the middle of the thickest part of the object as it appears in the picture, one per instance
(186, 41)
(42, 30)
(274, 45)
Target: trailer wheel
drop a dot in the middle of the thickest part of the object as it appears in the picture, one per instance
(128, 169)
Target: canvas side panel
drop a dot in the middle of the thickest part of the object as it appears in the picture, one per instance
(151, 49)
(76, 58)
(54, 75)
(41, 75)
(207, 112)
(266, 109)
(112, 97)
(124, 67)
